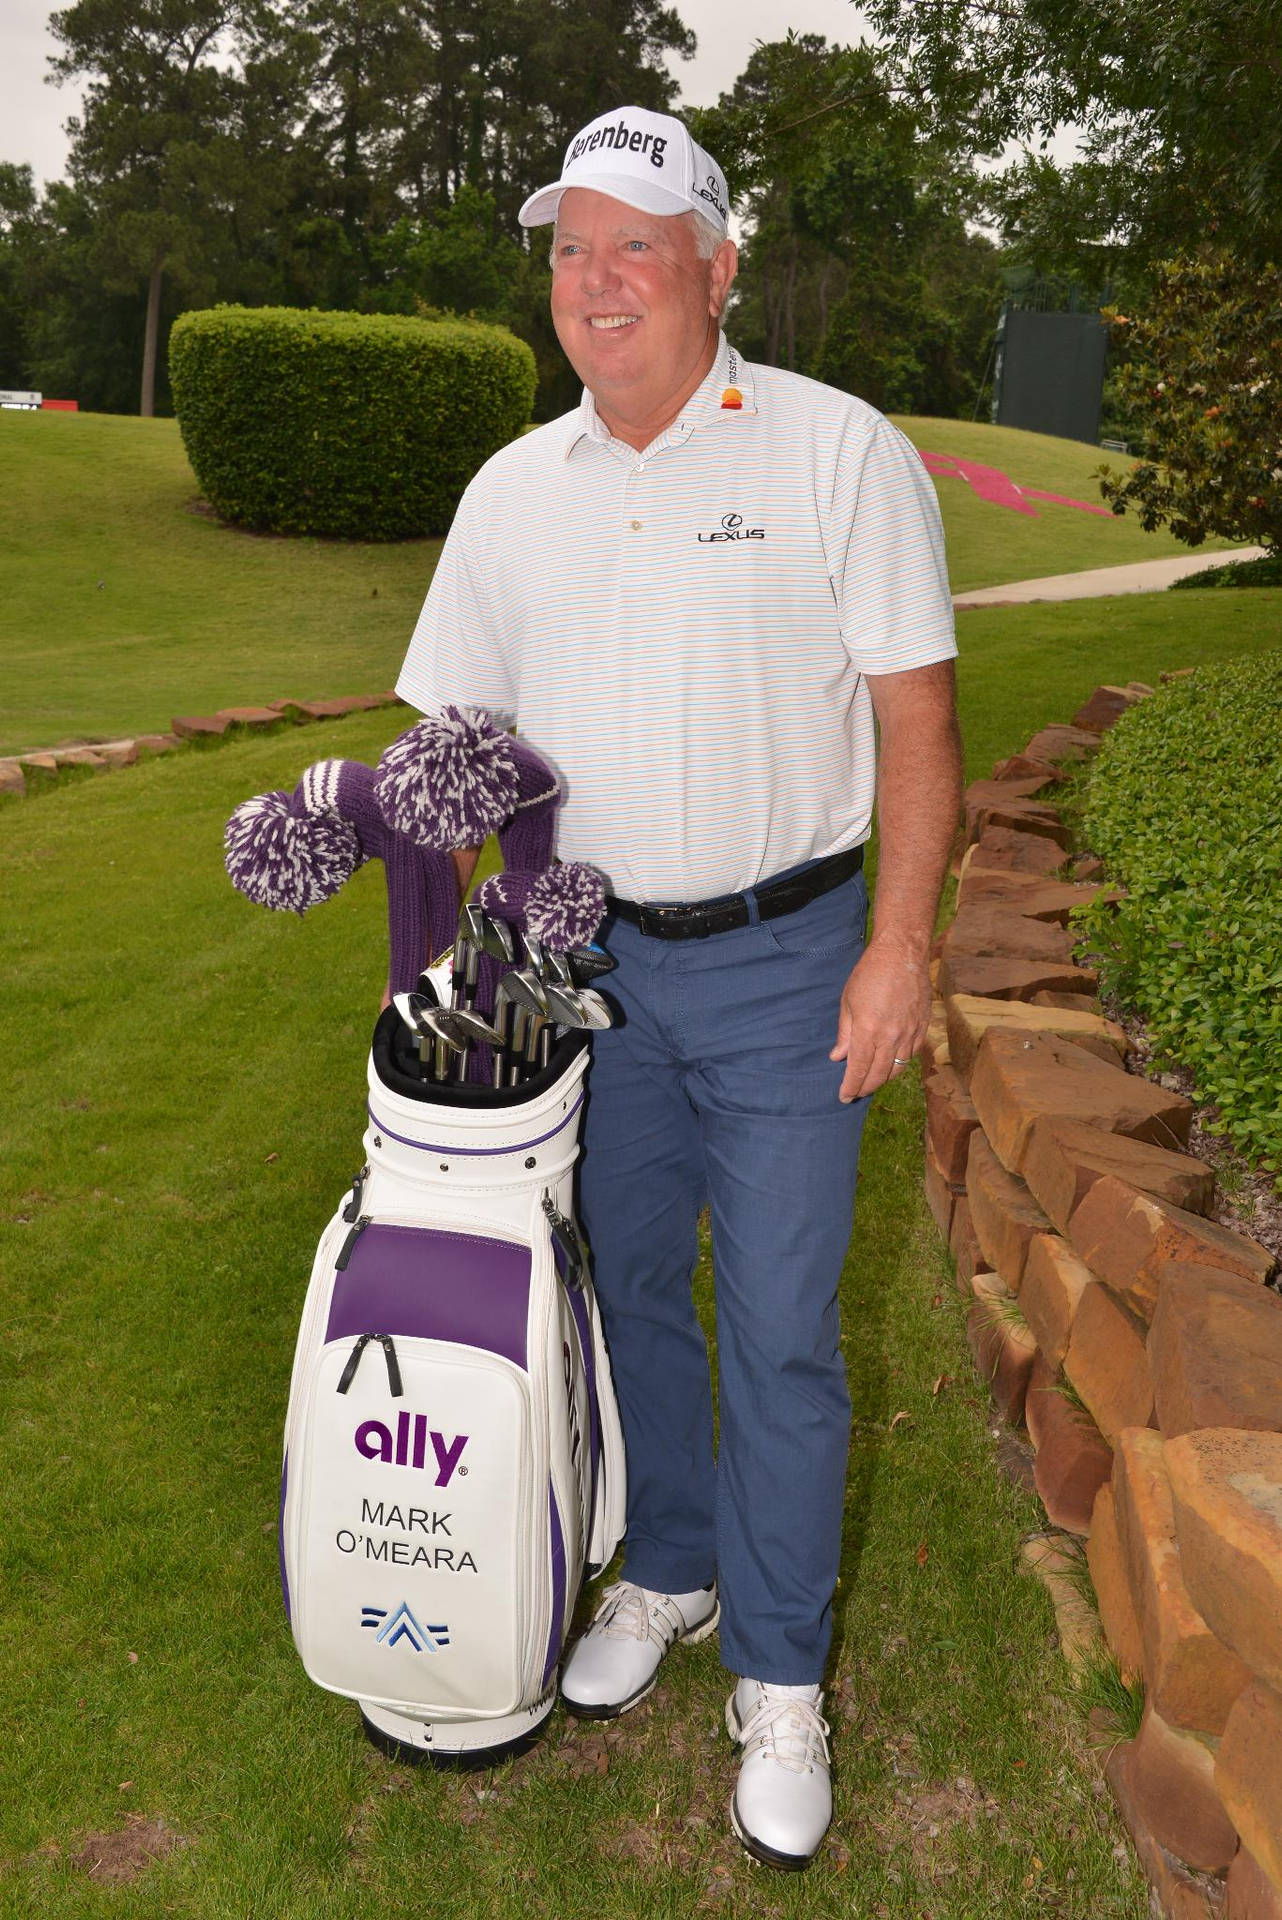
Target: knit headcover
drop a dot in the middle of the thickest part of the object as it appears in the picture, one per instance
(561, 908)
(456, 777)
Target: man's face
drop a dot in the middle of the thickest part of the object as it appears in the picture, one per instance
(633, 304)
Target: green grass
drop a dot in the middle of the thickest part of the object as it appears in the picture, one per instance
(123, 606)
(183, 1102)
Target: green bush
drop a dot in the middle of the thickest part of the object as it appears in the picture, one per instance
(365, 426)
(1184, 804)
(1264, 572)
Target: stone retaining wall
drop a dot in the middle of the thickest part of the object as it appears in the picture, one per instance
(1138, 1340)
(103, 755)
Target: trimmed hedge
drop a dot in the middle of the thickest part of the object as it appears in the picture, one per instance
(364, 426)
(1184, 805)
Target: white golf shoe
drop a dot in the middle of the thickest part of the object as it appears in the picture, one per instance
(616, 1662)
(783, 1803)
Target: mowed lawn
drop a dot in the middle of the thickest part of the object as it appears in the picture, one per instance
(182, 1107)
(124, 605)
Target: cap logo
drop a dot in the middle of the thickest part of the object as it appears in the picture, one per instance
(619, 136)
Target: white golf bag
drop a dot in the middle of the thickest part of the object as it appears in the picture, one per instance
(453, 1457)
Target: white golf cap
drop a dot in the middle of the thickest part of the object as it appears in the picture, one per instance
(647, 160)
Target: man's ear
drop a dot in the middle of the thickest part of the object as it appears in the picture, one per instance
(724, 266)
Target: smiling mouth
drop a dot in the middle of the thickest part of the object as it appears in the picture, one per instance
(603, 321)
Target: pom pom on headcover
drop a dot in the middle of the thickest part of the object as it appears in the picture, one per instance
(450, 780)
(562, 907)
(282, 855)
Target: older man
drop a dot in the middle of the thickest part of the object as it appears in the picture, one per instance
(700, 595)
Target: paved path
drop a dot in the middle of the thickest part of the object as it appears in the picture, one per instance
(1142, 576)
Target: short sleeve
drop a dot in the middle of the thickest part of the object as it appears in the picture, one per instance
(885, 548)
(455, 652)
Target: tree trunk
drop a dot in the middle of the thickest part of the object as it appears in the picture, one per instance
(147, 403)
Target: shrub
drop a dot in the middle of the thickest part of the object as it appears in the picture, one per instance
(366, 426)
(1264, 572)
(1184, 804)
(1204, 381)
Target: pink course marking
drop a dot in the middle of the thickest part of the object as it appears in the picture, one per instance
(990, 483)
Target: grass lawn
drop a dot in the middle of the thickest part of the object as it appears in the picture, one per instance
(182, 1110)
(123, 606)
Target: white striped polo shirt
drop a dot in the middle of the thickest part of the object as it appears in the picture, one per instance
(684, 632)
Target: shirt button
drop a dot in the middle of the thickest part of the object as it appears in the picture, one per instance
(636, 526)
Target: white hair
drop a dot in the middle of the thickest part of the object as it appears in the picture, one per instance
(707, 235)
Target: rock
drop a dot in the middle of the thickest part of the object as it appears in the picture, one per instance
(310, 709)
(12, 778)
(1020, 1077)
(1176, 1892)
(1173, 1781)
(950, 1121)
(1005, 850)
(41, 762)
(1250, 1894)
(940, 1195)
(1062, 743)
(119, 753)
(1128, 1237)
(995, 978)
(1083, 1002)
(1215, 1353)
(964, 1245)
(78, 757)
(1029, 894)
(1105, 708)
(1106, 1363)
(1056, 1560)
(970, 1017)
(993, 929)
(1191, 1677)
(159, 742)
(1087, 866)
(1004, 1212)
(198, 726)
(1073, 1458)
(1021, 766)
(933, 1052)
(1226, 1490)
(1051, 1289)
(1248, 1773)
(1112, 1591)
(248, 716)
(1006, 803)
(1064, 1158)
(1002, 1348)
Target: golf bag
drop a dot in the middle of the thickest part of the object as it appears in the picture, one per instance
(453, 1457)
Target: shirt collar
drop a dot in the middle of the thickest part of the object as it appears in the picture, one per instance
(725, 394)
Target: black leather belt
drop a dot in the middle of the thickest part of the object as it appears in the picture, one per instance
(702, 917)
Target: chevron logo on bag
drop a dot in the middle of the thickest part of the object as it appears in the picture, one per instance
(402, 1625)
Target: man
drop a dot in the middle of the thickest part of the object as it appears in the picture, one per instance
(694, 594)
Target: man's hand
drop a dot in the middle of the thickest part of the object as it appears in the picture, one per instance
(885, 1008)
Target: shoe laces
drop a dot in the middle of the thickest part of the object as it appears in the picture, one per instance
(629, 1612)
(788, 1729)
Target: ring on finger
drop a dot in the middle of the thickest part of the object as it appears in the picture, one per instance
(901, 1063)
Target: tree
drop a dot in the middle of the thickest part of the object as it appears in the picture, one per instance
(1204, 377)
(1177, 103)
(858, 266)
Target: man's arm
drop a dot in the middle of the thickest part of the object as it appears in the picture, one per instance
(885, 1006)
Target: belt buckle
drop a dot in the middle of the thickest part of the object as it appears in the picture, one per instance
(658, 922)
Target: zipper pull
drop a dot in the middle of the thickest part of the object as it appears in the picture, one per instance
(394, 1383)
(568, 1241)
(352, 1210)
(345, 1251)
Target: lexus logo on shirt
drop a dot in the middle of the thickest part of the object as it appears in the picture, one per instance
(732, 528)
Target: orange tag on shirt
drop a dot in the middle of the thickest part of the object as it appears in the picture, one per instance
(732, 398)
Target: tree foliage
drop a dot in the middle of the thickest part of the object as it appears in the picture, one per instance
(1204, 380)
(859, 267)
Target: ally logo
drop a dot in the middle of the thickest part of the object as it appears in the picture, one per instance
(401, 1625)
(406, 1445)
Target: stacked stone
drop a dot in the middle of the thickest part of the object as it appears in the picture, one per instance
(106, 754)
(1137, 1339)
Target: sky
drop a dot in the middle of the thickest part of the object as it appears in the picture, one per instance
(32, 113)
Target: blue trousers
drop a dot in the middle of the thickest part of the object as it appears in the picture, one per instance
(717, 1090)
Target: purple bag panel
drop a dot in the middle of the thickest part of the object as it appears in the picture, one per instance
(558, 1587)
(426, 1283)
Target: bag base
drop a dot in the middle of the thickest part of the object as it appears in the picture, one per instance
(465, 1745)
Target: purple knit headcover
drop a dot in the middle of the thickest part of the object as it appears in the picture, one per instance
(289, 851)
(457, 777)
